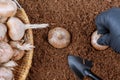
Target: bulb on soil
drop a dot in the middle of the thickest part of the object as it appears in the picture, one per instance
(17, 28)
(59, 37)
(94, 43)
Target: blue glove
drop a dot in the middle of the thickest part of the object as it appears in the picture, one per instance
(108, 24)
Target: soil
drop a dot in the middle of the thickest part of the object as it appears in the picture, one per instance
(76, 16)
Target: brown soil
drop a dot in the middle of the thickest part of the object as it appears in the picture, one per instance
(77, 16)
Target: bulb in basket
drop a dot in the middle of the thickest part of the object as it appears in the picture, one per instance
(8, 8)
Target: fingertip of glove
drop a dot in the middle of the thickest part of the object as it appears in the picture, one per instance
(115, 44)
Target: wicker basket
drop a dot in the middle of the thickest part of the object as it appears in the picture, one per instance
(21, 71)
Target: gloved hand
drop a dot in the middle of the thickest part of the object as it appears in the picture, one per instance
(108, 24)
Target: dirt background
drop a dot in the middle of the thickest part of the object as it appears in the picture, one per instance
(77, 16)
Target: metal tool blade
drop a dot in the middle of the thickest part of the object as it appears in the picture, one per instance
(78, 65)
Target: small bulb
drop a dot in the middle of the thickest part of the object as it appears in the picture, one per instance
(8, 8)
(59, 37)
(94, 43)
(6, 52)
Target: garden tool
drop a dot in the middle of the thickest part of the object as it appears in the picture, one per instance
(81, 67)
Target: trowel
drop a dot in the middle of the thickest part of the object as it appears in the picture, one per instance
(81, 67)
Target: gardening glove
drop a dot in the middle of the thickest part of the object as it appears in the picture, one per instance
(108, 24)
